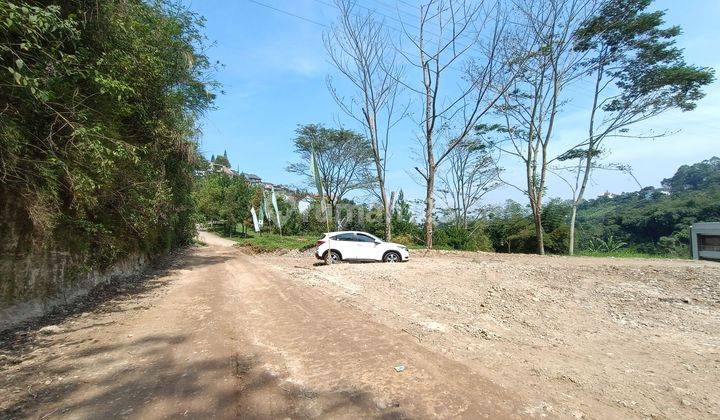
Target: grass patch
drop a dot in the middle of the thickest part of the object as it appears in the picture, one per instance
(628, 253)
(268, 242)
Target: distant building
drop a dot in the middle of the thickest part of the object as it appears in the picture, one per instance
(608, 194)
(252, 179)
(255, 180)
(286, 191)
(705, 241)
(652, 193)
(217, 168)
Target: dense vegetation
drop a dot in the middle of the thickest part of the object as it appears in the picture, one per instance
(652, 221)
(98, 119)
(222, 198)
(656, 220)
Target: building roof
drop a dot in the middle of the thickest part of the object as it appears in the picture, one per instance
(706, 225)
(250, 177)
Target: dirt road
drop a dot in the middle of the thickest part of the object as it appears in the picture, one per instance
(222, 334)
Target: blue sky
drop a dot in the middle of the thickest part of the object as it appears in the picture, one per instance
(274, 76)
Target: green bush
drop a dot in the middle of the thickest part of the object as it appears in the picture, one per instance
(458, 238)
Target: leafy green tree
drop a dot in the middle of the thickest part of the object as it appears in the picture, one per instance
(207, 195)
(343, 159)
(222, 160)
(236, 202)
(222, 198)
(98, 120)
(638, 73)
(705, 174)
(510, 228)
(556, 215)
(451, 236)
(402, 218)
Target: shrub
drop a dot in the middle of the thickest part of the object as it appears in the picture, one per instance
(404, 239)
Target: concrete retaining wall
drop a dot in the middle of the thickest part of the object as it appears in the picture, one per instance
(42, 282)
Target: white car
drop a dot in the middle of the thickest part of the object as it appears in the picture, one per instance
(358, 246)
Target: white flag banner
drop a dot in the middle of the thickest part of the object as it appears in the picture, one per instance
(256, 225)
(266, 207)
(275, 207)
(315, 170)
(316, 173)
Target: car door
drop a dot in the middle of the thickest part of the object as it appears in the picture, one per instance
(345, 244)
(365, 247)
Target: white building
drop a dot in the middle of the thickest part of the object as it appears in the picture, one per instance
(705, 241)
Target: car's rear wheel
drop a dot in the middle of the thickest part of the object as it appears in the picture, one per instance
(392, 257)
(332, 257)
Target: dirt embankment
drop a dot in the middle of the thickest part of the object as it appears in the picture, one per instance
(587, 337)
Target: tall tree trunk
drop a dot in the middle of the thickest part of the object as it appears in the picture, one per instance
(579, 198)
(535, 196)
(537, 215)
(539, 232)
(370, 120)
(429, 206)
(386, 202)
(573, 215)
(386, 212)
(588, 159)
(334, 215)
(388, 217)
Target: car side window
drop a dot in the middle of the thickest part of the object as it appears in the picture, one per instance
(364, 238)
(344, 237)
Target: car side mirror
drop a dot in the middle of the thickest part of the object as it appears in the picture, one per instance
(378, 242)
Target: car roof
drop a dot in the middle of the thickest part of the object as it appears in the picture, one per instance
(348, 231)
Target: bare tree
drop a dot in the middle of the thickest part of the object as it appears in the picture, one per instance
(343, 158)
(359, 46)
(453, 33)
(471, 173)
(531, 106)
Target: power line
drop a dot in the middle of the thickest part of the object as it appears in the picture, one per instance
(397, 9)
(406, 3)
(371, 10)
(376, 12)
(403, 24)
(403, 32)
(322, 24)
(289, 13)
